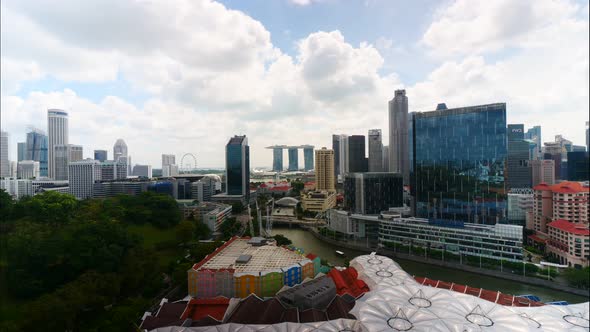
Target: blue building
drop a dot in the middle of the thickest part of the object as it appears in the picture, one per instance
(237, 159)
(100, 155)
(162, 187)
(293, 158)
(277, 159)
(457, 163)
(36, 149)
(308, 158)
(578, 166)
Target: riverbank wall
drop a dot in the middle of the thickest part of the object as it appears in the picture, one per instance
(497, 274)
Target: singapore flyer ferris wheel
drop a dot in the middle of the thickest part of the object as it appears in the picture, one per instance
(188, 163)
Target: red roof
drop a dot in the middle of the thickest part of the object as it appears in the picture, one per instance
(537, 239)
(347, 282)
(569, 187)
(542, 186)
(570, 227)
(201, 308)
(311, 256)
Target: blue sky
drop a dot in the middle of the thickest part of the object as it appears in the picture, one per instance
(183, 76)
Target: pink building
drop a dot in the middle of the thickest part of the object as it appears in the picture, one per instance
(569, 242)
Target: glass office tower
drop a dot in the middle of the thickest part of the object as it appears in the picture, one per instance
(238, 166)
(36, 149)
(458, 160)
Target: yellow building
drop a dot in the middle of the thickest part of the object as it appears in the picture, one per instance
(318, 201)
(324, 170)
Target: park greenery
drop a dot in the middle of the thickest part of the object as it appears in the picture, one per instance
(93, 265)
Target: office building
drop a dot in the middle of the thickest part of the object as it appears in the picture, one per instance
(518, 170)
(344, 157)
(497, 241)
(458, 160)
(552, 151)
(578, 148)
(543, 171)
(569, 243)
(375, 150)
(398, 135)
(63, 155)
(17, 188)
(372, 193)
(203, 189)
(4, 162)
(82, 175)
(566, 200)
(100, 155)
(119, 149)
(105, 189)
(578, 166)
(237, 165)
(28, 169)
(169, 167)
(112, 170)
(307, 157)
(58, 134)
(293, 158)
(357, 162)
(21, 148)
(534, 134)
(318, 201)
(38, 149)
(385, 158)
(210, 214)
(142, 171)
(324, 170)
(519, 202)
(363, 228)
(336, 149)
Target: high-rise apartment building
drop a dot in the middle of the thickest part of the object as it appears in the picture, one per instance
(543, 171)
(307, 157)
(27, 169)
(21, 148)
(293, 158)
(357, 162)
(82, 175)
(375, 150)
(237, 165)
(372, 193)
(398, 135)
(566, 200)
(57, 128)
(37, 148)
(100, 155)
(518, 170)
(324, 170)
(336, 149)
(4, 163)
(385, 158)
(142, 171)
(64, 154)
(458, 160)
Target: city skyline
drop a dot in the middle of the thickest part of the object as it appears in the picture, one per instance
(288, 88)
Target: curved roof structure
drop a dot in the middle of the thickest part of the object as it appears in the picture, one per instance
(287, 201)
(213, 177)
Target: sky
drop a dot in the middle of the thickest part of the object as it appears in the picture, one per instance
(184, 76)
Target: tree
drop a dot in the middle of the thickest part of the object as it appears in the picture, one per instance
(6, 205)
(579, 278)
(185, 231)
(50, 207)
(282, 240)
(237, 207)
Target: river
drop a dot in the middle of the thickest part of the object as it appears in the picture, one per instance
(310, 243)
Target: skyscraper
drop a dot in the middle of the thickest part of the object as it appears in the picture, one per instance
(372, 193)
(112, 170)
(336, 149)
(375, 150)
(534, 134)
(21, 148)
(578, 166)
(142, 171)
(169, 167)
(307, 157)
(385, 166)
(82, 175)
(37, 149)
(543, 171)
(398, 135)
(57, 127)
(458, 163)
(237, 165)
(518, 170)
(343, 160)
(4, 163)
(63, 155)
(277, 159)
(293, 158)
(101, 155)
(121, 155)
(357, 162)
(324, 170)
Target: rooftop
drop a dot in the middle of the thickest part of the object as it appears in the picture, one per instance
(570, 227)
(263, 258)
(565, 187)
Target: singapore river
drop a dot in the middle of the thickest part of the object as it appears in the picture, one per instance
(310, 243)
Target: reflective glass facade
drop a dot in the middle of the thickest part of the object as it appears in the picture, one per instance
(458, 160)
(238, 166)
(293, 159)
(36, 149)
(308, 158)
(372, 193)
